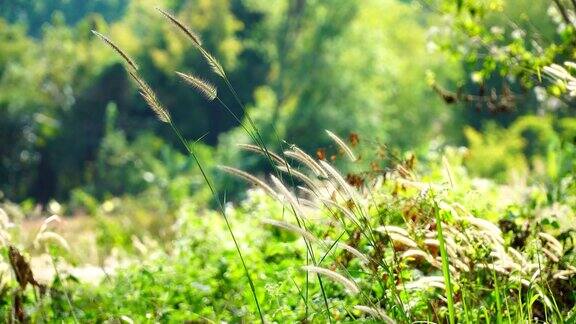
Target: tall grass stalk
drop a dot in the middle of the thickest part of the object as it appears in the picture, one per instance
(66, 293)
(223, 212)
(164, 116)
(445, 265)
(498, 298)
(253, 131)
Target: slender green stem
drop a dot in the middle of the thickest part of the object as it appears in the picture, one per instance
(260, 141)
(223, 212)
(445, 265)
(498, 298)
(66, 294)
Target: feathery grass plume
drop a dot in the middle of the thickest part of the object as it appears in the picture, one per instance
(457, 233)
(51, 236)
(553, 248)
(192, 35)
(335, 276)
(414, 253)
(570, 64)
(117, 49)
(205, 88)
(347, 212)
(4, 219)
(257, 149)
(301, 156)
(339, 180)
(145, 90)
(350, 249)
(446, 206)
(290, 227)
(487, 227)
(288, 196)
(214, 64)
(460, 265)
(500, 253)
(402, 240)
(48, 221)
(525, 282)
(451, 247)
(510, 266)
(250, 178)
(308, 203)
(430, 242)
(150, 98)
(397, 235)
(550, 255)
(127, 319)
(554, 244)
(425, 282)
(535, 275)
(298, 175)
(558, 72)
(342, 145)
(493, 267)
(376, 313)
(307, 191)
(392, 229)
(156, 107)
(518, 256)
(564, 274)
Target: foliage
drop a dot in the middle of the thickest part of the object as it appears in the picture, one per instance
(437, 233)
(58, 130)
(539, 145)
(504, 47)
(207, 283)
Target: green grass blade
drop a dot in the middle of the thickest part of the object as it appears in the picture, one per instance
(445, 266)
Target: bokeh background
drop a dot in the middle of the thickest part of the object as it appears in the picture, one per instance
(464, 94)
(72, 123)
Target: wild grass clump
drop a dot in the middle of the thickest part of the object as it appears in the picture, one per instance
(392, 250)
(402, 249)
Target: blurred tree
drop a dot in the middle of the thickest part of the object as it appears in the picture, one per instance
(36, 13)
(347, 66)
(504, 46)
(300, 67)
(53, 89)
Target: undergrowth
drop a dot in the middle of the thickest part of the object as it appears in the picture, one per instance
(388, 242)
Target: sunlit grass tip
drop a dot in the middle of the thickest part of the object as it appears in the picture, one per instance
(192, 35)
(290, 227)
(342, 145)
(350, 286)
(250, 178)
(361, 256)
(205, 88)
(117, 49)
(214, 64)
